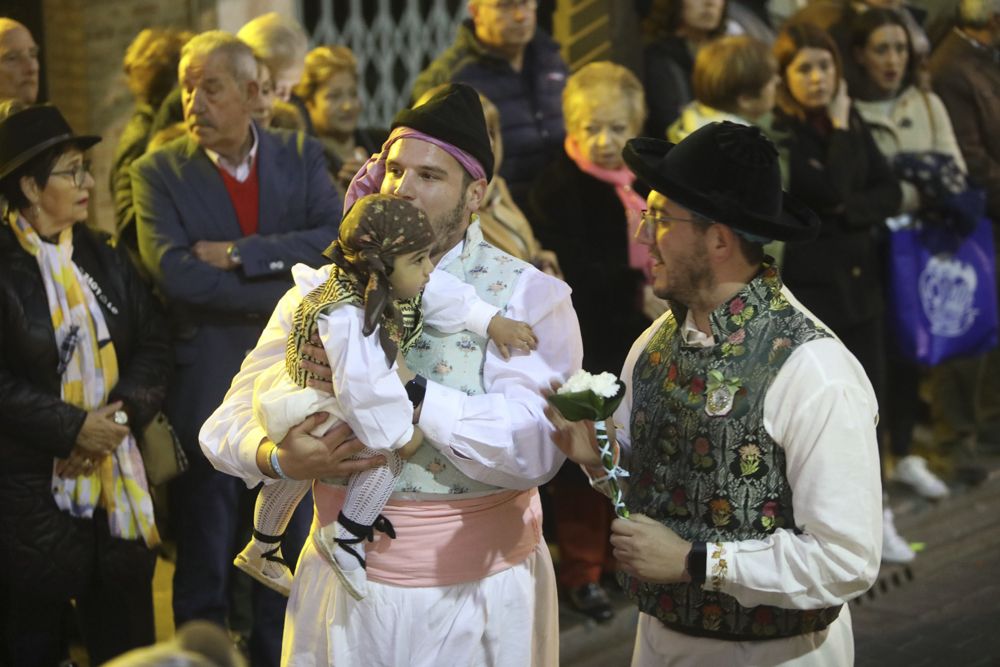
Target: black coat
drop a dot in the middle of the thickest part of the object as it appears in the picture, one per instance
(844, 178)
(53, 554)
(35, 424)
(667, 67)
(583, 221)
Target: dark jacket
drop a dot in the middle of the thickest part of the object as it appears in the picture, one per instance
(131, 146)
(667, 67)
(845, 179)
(967, 78)
(35, 424)
(530, 101)
(217, 315)
(583, 221)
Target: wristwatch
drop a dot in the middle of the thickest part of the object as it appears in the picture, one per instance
(120, 417)
(233, 253)
(416, 389)
(696, 562)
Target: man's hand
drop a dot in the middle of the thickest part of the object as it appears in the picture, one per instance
(317, 364)
(215, 253)
(577, 440)
(507, 333)
(648, 550)
(303, 456)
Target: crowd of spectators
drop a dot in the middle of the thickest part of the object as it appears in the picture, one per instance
(233, 168)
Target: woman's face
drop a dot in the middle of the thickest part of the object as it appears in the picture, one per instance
(884, 57)
(63, 201)
(602, 123)
(812, 78)
(702, 15)
(263, 106)
(335, 106)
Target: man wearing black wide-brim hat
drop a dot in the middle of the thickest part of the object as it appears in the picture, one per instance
(748, 428)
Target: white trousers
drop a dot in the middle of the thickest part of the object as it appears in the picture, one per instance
(509, 619)
(658, 646)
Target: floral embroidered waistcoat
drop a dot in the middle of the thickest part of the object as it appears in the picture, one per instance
(702, 462)
(456, 360)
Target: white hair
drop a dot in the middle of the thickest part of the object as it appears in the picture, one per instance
(977, 13)
(239, 56)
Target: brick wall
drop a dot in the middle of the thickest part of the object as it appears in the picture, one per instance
(84, 43)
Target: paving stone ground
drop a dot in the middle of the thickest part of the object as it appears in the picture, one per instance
(942, 610)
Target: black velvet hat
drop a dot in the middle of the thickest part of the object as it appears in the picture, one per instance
(454, 115)
(728, 173)
(25, 134)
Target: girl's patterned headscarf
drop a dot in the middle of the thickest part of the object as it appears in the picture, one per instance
(377, 229)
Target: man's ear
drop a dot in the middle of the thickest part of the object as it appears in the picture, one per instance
(252, 90)
(474, 194)
(721, 242)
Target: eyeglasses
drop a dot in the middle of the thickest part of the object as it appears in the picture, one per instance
(79, 173)
(651, 220)
(511, 5)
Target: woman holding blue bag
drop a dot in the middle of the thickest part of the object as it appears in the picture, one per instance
(912, 129)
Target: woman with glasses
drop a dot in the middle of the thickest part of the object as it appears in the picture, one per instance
(584, 209)
(84, 360)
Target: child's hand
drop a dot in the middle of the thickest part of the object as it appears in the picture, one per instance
(507, 333)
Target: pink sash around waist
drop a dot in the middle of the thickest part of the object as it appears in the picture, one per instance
(445, 542)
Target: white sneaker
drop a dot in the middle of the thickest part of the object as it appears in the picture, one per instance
(894, 548)
(255, 562)
(354, 579)
(912, 470)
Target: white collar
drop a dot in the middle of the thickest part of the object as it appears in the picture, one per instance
(241, 171)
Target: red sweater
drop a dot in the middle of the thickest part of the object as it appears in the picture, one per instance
(245, 197)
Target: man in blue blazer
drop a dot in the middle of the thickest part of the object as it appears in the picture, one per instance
(222, 215)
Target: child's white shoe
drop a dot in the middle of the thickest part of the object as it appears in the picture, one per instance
(349, 567)
(263, 562)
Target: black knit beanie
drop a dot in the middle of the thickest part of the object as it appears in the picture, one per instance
(454, 115)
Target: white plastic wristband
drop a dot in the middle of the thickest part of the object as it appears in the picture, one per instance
(275, 466)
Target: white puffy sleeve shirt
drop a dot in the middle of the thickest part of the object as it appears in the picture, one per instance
(821, 409)
(502, 437)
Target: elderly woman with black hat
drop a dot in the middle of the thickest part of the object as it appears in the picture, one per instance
(747, 428)
(83, 366)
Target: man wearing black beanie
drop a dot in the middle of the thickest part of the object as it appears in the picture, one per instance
(467, 580)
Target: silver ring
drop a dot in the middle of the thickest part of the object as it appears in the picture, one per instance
(120, 417)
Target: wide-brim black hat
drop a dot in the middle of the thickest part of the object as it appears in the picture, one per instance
(454, 115)
(25, 134)
(728, 173)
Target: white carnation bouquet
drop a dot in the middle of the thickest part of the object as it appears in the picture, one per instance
(596, 397)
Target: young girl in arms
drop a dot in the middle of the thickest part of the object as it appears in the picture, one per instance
(380, 265)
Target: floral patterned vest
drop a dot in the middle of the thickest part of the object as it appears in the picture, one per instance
(456, 360)
(702, 462)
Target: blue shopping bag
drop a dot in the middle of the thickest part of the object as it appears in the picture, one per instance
(942, 291)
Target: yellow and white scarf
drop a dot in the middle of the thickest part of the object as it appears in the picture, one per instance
(119, 482)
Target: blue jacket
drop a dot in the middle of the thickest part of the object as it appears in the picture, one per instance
(530, 101)
(217, 315)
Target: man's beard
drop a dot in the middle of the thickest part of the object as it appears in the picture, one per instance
(689, 280)
(446, 228)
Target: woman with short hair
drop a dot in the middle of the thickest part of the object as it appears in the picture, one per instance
(329, 90)
(84, 361)
(584, 209)
(734, 79)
